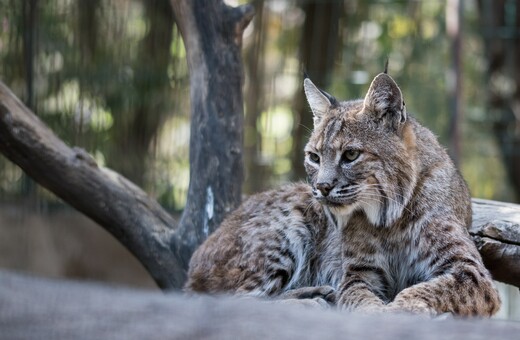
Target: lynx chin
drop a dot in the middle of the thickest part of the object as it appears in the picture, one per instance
(381, 224)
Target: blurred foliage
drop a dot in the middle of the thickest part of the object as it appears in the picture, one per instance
(111, 77)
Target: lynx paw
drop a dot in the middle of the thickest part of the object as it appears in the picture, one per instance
(411, 307)
(325, 293)
(443, 316)
(370, 309)
(317, 302)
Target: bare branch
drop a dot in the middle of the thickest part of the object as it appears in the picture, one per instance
(123, 209)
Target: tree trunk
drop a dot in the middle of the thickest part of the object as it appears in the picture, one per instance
(454, 10)
(255, 172)
(502, 41)
(212, 34)
(134, 131)
(319, 39)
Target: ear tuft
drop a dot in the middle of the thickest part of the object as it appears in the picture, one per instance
(384, 101)
(319, 101)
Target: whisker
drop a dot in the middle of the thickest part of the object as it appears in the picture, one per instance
(306, 210)
(305, 127)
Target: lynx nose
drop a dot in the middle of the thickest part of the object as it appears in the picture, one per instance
(324, 188)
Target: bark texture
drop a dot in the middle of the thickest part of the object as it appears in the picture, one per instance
(212, 33)
(496, 232)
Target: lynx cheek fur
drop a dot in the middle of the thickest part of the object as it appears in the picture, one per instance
(402, 207)
(383, 220)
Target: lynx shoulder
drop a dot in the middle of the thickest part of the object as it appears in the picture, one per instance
(383, 219)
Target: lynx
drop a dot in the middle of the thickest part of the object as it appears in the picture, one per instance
(381, 225)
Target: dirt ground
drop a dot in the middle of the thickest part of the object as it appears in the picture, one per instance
(65, 244)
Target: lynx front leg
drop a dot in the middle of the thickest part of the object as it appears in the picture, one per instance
(321, 296)
(327, 293)
(465, 290)
(356, 293)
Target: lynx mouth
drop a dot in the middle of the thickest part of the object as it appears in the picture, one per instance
(336, 202)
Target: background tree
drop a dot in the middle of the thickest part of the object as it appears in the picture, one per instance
(319, 40)
(501, 32)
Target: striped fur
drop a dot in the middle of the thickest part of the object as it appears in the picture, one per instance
(384, 220)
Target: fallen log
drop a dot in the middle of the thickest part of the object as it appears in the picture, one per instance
(496, 232)
(33, 308)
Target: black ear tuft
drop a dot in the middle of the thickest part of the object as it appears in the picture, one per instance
(333, 101)
(386, 66)
(384, 102)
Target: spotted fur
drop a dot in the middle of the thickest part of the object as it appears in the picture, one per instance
(274, 242)
(383, 221)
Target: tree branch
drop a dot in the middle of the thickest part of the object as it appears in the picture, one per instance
(115, 203)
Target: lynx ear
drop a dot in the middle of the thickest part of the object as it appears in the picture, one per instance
(319, 101)
(384, 101)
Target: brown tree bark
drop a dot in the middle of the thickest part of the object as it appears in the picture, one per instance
(212, 33)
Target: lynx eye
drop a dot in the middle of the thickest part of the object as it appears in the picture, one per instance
(314, 157)
(351, 155)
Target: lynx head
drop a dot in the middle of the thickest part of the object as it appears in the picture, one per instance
(360, 156)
